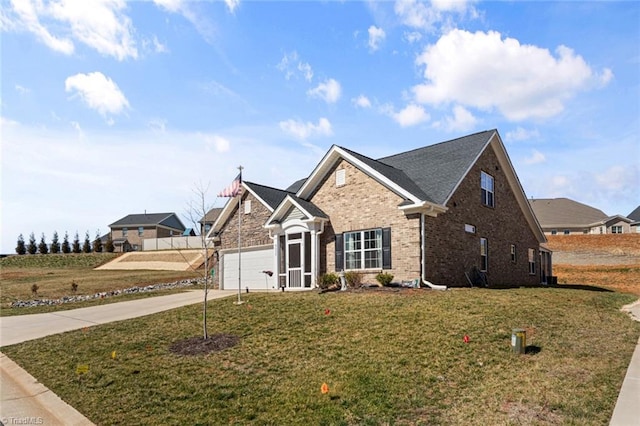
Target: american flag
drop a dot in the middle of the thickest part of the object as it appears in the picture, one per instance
(233, 189)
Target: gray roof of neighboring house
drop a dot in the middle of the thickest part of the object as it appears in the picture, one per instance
(635, 215)
(211, 215)
(272, 196)
(563, 212)
(437, 169)
(170, 220)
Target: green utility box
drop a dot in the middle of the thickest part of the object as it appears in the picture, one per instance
(518, 340)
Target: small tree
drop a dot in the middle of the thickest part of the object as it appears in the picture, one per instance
(55, 243)
(109, 247)
(31, 247)
(86, 245)
(43, 248)
(75, 247)
(21, 248)
(66, 248)
(97, 243)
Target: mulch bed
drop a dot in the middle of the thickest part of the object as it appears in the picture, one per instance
(200, 346)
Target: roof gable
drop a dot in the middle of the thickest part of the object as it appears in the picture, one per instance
(438, 169)
(635, 215)
(170, 220)
(307, 210)
(564, 212)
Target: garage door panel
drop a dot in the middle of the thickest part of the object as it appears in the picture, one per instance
(253, 263)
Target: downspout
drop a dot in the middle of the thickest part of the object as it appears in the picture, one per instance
(276, 263)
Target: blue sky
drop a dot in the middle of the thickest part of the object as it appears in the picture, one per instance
(111, 107)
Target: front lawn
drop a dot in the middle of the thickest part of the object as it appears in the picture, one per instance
(386, 357)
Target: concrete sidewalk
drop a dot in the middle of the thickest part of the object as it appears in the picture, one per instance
(627, 410)
(23, 400)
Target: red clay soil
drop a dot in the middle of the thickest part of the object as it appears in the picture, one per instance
(584, 260)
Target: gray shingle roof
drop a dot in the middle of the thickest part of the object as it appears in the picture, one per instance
(437, 169)
(393, 173)
(310, 207)
(272, 196)
(563, 212)
(169, 220)
(293, 188)
(211, 215)
(635, 215)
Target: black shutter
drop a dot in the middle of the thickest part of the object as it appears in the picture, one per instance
(339, 252)
(386, 248)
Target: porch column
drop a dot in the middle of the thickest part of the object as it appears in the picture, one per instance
(314, 257)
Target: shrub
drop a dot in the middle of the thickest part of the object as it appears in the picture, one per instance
(74, 287)
(31, 247)
(354, 279)
(384, 278)
(43, 248)
(327, 280)
(34, 289)
(21, 248)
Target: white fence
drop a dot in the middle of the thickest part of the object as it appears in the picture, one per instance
(168, 243)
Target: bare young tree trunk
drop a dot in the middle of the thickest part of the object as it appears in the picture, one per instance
(198, 210)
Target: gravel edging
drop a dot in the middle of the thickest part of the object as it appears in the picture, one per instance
(105, 294)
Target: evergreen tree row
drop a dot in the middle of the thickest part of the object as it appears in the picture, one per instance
(75, 246)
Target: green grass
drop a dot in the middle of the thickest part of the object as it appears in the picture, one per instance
(54, 274)
(387, 357)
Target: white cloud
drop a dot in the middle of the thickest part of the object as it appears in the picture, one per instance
(329, 91)
(218, 143)
(291, 65)
(302, 131)
(157, 125)
(462, 120)
(520, 134)
(99, 24)
(411, 115)
(376, 36)
(22, 90)
(412, 36)
(170, 5)
(98, 92)
(361, 101)
(536, 158)
(617, 179)
(484, 71)
(416, 14)
(26, 17)
(232, 5)
(433, 16)
(159, 47)
(78, 129)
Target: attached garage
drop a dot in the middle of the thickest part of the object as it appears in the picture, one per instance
(254, 261)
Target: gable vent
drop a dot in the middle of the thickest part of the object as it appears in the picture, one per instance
(341, 177)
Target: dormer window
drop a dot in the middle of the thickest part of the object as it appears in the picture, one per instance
(486, 185)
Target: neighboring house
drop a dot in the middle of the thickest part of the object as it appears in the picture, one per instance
(562, 216)
(209, 219)
(436, 213)
(635, 219)
(128, 232)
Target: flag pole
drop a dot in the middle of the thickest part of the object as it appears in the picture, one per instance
(239, 302)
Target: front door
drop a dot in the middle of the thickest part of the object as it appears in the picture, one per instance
(294, 272)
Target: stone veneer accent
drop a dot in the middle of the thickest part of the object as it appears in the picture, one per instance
(363, 203)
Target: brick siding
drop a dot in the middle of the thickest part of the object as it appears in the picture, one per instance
(451, 251)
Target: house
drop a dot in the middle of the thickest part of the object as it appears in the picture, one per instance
(208, 220)
(635, 220)
(127, 233)
(564, 216)
(436, 213)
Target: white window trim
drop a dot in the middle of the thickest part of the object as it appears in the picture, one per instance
(487, 191)
(484, 254)
(363, 251)
(341, 177)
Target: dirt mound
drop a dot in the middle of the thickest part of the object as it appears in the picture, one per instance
(170, 260)
(201, 346)
(616, 244)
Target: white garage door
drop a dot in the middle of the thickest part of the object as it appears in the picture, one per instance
(253, 263)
